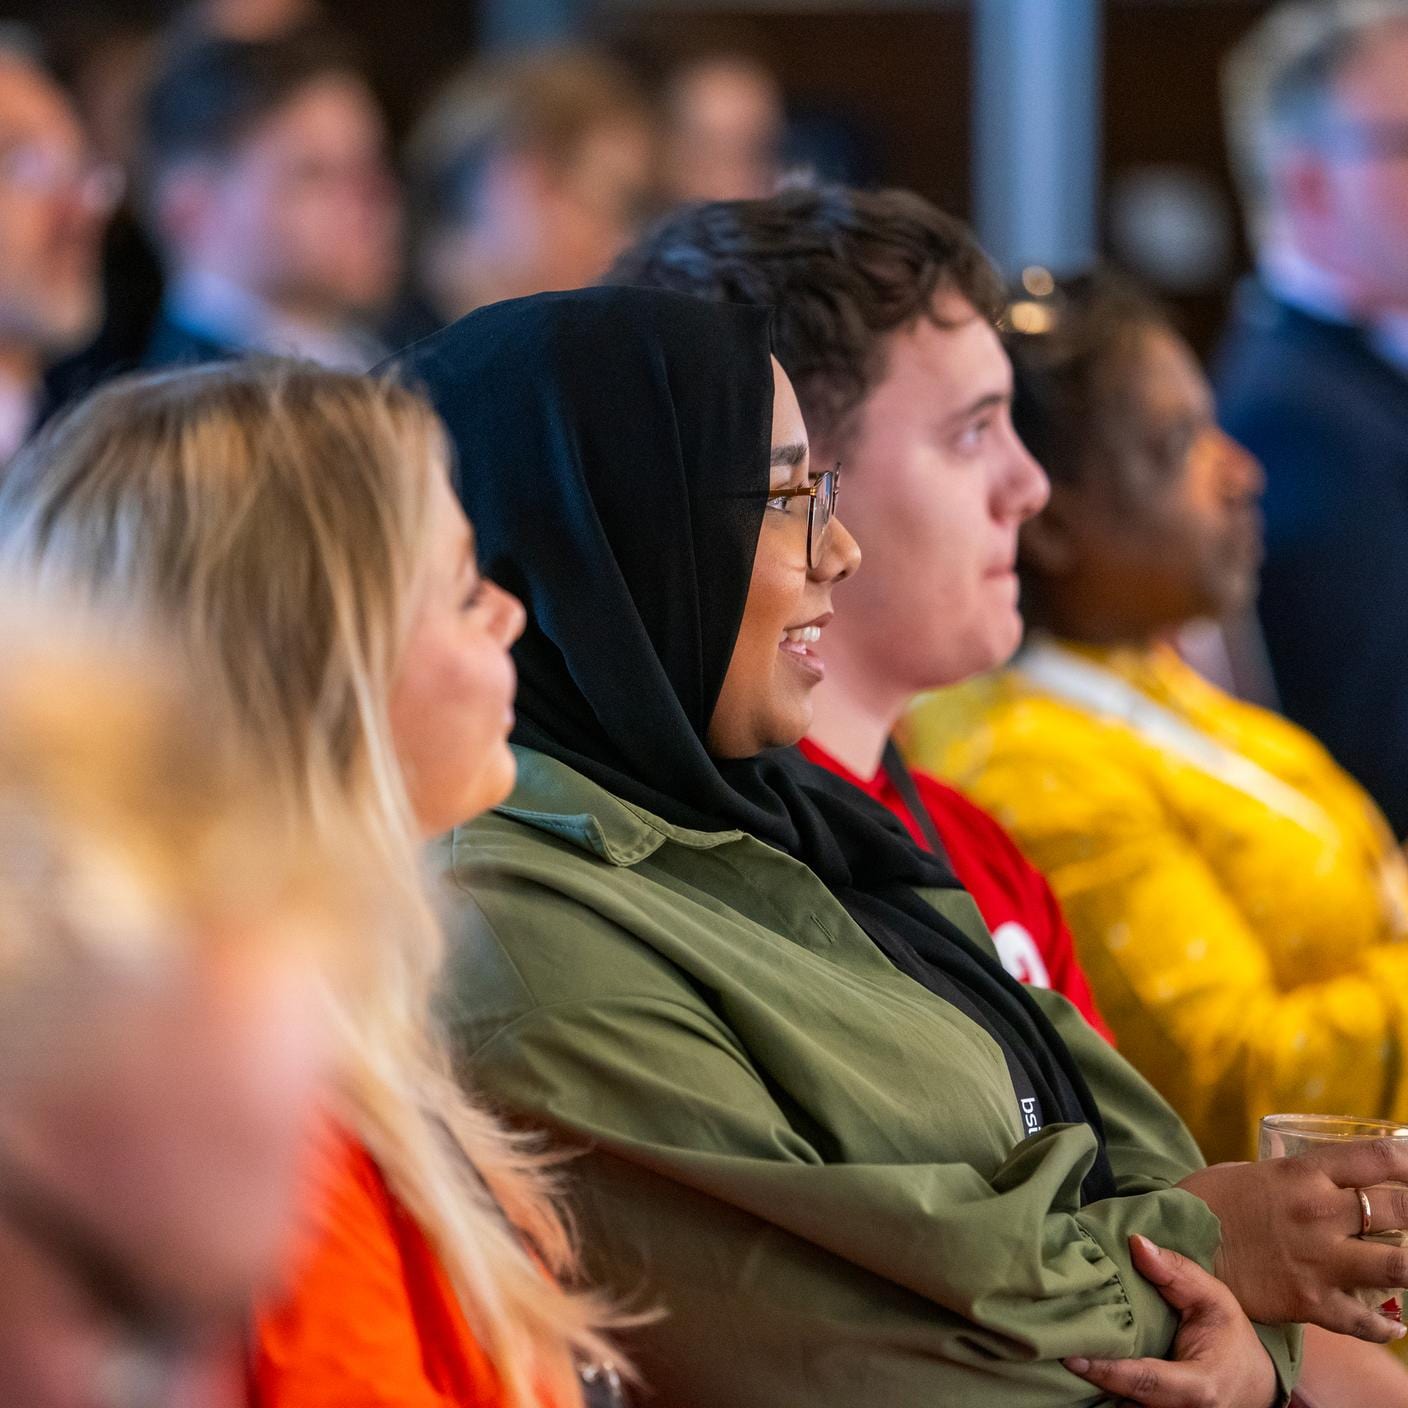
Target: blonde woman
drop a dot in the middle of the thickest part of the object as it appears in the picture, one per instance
(161, 1041)
(299, 529)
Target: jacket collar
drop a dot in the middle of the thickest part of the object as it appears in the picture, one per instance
(552, 797)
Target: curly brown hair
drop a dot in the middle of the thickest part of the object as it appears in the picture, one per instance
(841, 269)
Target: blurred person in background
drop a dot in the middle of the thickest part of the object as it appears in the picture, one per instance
(724, 129)
(162, 1039)
(270, 197)
(55, 200)
(104, 55)
(527, 175)
(252, 20)
(297, 528)
(1313, 374)
(1237, 899)
(884, 313)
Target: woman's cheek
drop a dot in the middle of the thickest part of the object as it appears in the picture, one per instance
(788, 586)
(485, 685)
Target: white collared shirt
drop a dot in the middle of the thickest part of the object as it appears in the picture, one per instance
(211, 305)
(1304, 285)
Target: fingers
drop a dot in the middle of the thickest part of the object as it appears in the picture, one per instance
(1182, 1283)
(1346, 1316)
(1372, 1265)
(1359, 1163)
(1154, 1383)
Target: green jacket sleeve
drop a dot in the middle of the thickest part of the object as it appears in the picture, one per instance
(790, 1279)
(1140, 1164)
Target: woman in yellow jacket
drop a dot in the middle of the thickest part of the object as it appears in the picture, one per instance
(1237, 900)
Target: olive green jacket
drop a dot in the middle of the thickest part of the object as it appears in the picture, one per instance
(811, 1163)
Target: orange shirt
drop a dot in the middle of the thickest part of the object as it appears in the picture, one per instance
(371, 1320)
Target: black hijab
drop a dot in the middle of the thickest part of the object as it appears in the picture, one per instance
(613, 449)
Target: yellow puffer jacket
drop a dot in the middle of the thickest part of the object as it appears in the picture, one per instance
(1237, 900)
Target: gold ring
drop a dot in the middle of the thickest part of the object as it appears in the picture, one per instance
(1366, 1213)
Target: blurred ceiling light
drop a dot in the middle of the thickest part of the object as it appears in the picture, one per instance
(1038, 281)
(1026, 315)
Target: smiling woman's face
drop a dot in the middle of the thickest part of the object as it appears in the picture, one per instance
(766, 701)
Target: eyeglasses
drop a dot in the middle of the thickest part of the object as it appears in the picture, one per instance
(820, 495)
(44, 172)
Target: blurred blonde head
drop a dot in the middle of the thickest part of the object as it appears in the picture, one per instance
(529, 174)
(162, 1037)
(130, 839)
(725, 128)
(274, 516)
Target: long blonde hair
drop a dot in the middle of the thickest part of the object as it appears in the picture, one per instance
(274, 513)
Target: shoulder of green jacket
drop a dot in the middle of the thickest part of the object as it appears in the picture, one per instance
(552, 797)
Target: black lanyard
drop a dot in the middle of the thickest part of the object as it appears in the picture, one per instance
(903, 783)
(1032, 1107)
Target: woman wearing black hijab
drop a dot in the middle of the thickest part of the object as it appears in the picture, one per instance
(854, 1162)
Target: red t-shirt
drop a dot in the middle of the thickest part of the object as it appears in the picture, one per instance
(1021, 913)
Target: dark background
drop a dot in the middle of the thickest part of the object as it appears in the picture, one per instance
(884, 94)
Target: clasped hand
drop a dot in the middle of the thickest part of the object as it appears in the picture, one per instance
(1217, 1360)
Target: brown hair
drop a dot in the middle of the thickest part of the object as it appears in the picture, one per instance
(1073, 356)
(841, 269)
(545, 104)
(210, 94)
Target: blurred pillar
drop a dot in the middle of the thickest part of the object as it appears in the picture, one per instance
(527, 24)
(1036, 157)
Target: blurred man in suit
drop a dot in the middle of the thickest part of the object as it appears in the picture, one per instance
(1313, 373)
(272, 202)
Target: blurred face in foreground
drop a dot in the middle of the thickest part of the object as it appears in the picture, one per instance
(148, 1162)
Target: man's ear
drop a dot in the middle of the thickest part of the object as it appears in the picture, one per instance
(1049, 541)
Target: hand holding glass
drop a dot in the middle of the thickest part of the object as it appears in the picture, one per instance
(1291, 1249)
(1285, 1136)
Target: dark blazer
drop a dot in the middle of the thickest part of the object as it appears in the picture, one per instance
(1328, 417)
(173, 344)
